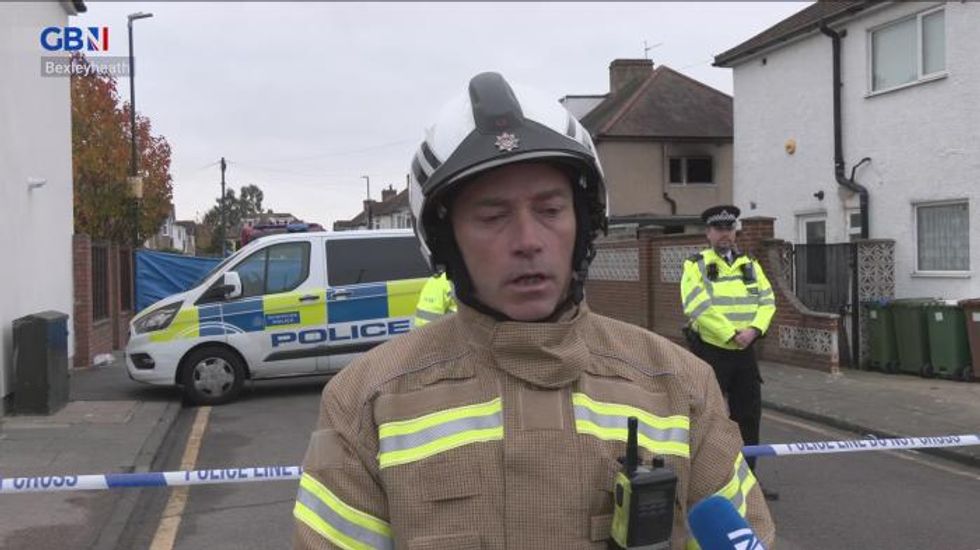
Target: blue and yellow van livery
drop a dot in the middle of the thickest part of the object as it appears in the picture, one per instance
(271, 312)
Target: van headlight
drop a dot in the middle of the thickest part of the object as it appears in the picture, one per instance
(158, 319)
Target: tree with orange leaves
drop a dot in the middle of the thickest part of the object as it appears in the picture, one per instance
(104, 208)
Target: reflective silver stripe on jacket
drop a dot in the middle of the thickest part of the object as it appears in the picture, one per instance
(410, 441)
(702, 307)
(743, 474)
(427, 315)
(341, 524)
(749, 300)
(740, 316)
(691, 296)
(675, 435)
(704, 277)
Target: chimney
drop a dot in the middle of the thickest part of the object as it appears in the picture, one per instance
(623, 71)
(388, 193)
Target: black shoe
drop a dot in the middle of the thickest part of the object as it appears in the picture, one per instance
(770, 495)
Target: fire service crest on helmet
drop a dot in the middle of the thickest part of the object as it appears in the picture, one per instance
(507, 142)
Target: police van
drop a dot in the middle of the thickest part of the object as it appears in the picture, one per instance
(297, 304)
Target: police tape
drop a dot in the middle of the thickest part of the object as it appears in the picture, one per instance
(861, 445)
(278, 473)
(150, 479)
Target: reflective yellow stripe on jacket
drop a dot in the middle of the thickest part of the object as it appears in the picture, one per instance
(735, 491)
(435, 300)
(719, 307)
(668, 435)
(407, 441)
(319, 509)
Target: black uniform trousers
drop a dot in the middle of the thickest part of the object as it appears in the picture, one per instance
(738, 376)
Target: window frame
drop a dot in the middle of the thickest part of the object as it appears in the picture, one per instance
(265, 269)
(916, 272)
(919, 47)
(684, 159)
(853, 231)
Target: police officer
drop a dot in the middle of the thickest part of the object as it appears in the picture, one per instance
(435, 301)
(729, 303)
(501, 426)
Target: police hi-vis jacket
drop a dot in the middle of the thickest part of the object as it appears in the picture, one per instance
(435, 300)
(475, 434)
(719, 298)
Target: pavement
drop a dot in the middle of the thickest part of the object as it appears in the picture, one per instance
(878, 404)
(114, 425)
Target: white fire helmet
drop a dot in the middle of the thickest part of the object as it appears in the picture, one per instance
(492, 125)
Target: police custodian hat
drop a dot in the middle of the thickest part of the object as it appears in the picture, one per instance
(722, 216)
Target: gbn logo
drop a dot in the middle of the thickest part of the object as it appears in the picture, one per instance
(745, 539)
(73, 39)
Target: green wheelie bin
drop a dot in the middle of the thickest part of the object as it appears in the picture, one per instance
(881, 337)
(971, 314)
(949, 350)
(912, 335)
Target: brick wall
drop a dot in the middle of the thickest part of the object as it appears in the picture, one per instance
(104, 335)
(618, 285)
(82, 319)
(668, 255)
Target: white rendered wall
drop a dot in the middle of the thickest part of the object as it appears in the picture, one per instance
(924, 140)
(35, 142)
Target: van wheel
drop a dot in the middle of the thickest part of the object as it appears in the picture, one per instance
(212, 376)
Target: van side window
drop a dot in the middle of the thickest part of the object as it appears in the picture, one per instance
(278, 268)
(374, 259)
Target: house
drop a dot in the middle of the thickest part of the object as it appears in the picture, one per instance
(172, 236)
(36, 176)
(392, 212)
(904, 166)
(665, 143)
(190, 239)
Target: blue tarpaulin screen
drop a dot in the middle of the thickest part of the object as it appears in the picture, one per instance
(159, 274)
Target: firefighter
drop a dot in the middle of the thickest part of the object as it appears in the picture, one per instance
(729, 303)
(501, 426)
(435, 301)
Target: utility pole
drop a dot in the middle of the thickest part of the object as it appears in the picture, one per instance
(368, 202)
(224, 240)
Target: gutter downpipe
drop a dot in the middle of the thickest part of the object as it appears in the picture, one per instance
(842, 180)
(851, 185)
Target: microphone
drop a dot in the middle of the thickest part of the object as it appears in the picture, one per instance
(716, 525)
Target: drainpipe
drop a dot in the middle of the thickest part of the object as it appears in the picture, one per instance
(842, 180)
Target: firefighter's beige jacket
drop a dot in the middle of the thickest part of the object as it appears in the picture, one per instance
(475, 434)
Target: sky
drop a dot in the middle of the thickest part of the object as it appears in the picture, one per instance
(304, 99)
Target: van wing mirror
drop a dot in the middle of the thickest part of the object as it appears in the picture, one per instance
(232, 285)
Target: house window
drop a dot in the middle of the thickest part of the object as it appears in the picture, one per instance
(908, 50)
(943, 236)
(691, 170)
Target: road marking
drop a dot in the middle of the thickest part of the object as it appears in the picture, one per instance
(910, 455)
(166, 533)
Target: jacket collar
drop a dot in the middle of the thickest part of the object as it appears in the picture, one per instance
(547, 355)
